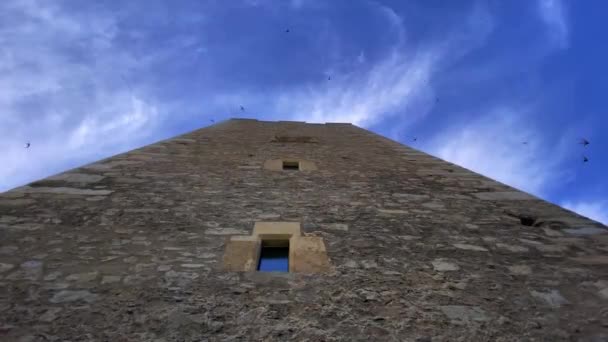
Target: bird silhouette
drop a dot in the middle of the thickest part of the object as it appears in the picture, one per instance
(585, 159)
(212, 120)
(414, 139)
(242, 109)
(27, 144)
(329, 78)
(287, 31)
(525, 143)
(584, 142)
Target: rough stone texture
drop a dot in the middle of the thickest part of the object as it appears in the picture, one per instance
(464, 314)
(130, 248)
(444, 266)
(552, 298)
(67, 296)
(520, 269)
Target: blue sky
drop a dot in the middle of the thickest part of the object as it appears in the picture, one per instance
(471, 80)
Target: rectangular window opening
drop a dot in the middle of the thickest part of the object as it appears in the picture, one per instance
(291, 165)
(274, 256)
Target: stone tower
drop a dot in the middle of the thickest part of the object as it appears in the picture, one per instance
(384, 243)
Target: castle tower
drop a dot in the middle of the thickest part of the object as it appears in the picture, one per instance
(274, 231)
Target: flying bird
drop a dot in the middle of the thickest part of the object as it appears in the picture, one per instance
(584, 142)
(287, 31)
(585, 159)
(525, 143)
(414, 139)
(242, 109)
(329, 78)
(212, 120)
(27, 144)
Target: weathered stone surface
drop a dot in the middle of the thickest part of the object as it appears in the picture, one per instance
(552, 298)
(64, 191)
(68, 296)
(82, 277)
(592, 259)
(5, 267)
(470, 247)
(513, 248)
(132, 248)
(52, 276)
(367, 264)
(29, 270)
(464, 314)
(193, 265)
(433, 205)
(8, 250)
(520, 269)
(392, 211)
(50, 315)
(586, 231)
(411, 197)
(225, 231)
(336, 226)
(444, 266)
(551, 248)
(110, 165)
(109, 279)
(25, 226)
(351, 264)
(136, 279)
(72, 177)
(186, 275)
(17, 202)
(503, 196)
(552, 232)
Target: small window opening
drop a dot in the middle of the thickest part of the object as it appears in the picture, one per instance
(274, 256)
(527, 220)
(291, 165)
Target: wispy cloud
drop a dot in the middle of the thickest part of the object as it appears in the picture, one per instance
(596, 210)
(106, 81)
(505, 146)
(553, 14)
(400, 83)
(62, 91)
(501, 141)
(363, 98)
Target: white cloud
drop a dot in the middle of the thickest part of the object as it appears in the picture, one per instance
(61, 90)
(399, 83)
(552, 13)
(362, 98)
(597, 210)
(494, 146)
(81, 101)
(50, 152)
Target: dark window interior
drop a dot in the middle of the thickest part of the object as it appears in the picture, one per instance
(288, 165)
(274, 256)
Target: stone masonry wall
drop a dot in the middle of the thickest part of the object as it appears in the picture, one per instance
(130, 248)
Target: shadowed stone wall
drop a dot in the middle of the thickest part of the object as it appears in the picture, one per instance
(130, 248)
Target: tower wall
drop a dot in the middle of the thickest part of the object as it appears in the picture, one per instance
(132, 247)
